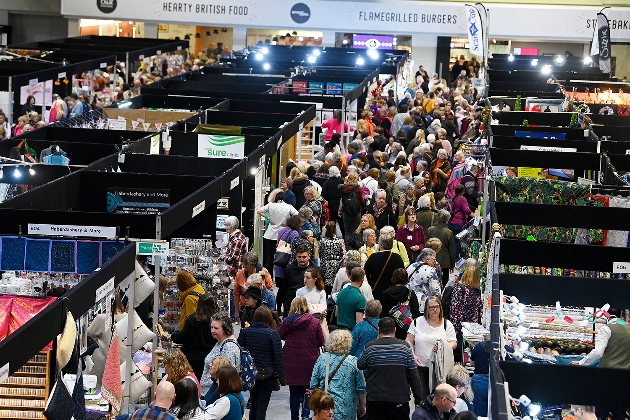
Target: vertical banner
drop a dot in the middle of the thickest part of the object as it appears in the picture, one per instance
(475, 30)
(603, 35)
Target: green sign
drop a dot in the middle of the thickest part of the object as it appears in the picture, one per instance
(152, 248)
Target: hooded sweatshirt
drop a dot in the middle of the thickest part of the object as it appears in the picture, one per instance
(303, 337)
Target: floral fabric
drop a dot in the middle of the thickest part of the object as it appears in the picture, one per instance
(465, 305)
(331, 255)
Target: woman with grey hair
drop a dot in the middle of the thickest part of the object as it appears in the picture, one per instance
(447, 256)
(332, 193)
(423, 278)
(369, 247)
(337, 161)
(382, 212)
(440, 171)
(380, 267)
(306, 213)
(397, 247)
(237, 244)
(347, 385)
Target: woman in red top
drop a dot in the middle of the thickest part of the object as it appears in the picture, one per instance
(411, 235)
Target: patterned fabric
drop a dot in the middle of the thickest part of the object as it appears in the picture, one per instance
(111, 388)
(547, 191)
(344, 387)
(331, 253)
(465, 305)
(423, 280)
(362, 333)
(236, 247)
(316, 206)
(618, 238)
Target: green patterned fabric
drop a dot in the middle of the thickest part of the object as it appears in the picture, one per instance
(545, 191)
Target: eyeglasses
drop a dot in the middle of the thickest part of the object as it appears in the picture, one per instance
(434, 308)
(450, 400)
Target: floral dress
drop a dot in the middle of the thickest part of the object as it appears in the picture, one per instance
(423, 280)
(331, 253)
(465, 305)
(344, 387)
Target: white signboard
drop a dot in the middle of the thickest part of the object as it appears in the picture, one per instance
(220, 146)
(426, 17)
(621, 267)
(104, 290)
(199, 208)
(4, 372)
(71, 230)
(548, 149)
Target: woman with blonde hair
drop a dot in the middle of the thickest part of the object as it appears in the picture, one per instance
(346, 383)
(213, 392)
(303, 336)
(189, 293)
(177, 367)
(356, 240)
(465, 301)
(300, 182)
(314, 202)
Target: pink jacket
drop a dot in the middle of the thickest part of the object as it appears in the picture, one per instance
(333, 126)
(461, 211)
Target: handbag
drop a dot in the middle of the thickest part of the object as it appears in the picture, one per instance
(60, 405)
(264, 373)
(401, 313)
(380, 275)
(283, 253)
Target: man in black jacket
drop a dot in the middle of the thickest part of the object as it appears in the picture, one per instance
(294, 274)
(391, 372)
(439, 406)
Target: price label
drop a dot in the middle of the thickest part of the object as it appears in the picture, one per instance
(199, 208)
(103, 65)
(61, 75)
(158, 52)
(4, 372)
(104, 290)
(234, 183)
(621, 267)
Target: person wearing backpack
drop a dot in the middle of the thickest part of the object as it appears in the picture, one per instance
(398, 295)
(265, 346)
(352, 205)
(446, 256)
(222, 330)
(461, 212)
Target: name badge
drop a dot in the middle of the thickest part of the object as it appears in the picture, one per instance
(409, 237)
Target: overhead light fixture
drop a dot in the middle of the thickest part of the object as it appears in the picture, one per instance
(559, 59)
(266, 66)
(394, 40)
(294, 33)
(259, 56)
(16, 172)
(274, 39)
(360, 61)
(31, 170)
(373, 54)
(311, 59)
(546, 69)
(264, 50)
(345, 41)
(315, 38)
(197, 35)
(534, 62)
(316, 52)
(208, 33)
(216, 32)
(510, 57)
(288, 35)
(252, 171)
(494, 41)
(300, 38)
(588, 60)
(224, 30)
(1, 172)
(187, 36)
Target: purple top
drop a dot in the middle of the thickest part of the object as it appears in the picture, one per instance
(461, 211)
(288, 235)
(411, 237)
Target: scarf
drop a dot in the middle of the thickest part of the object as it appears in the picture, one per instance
(377, 211)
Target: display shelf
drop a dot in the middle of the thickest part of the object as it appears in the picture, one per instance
(24, 394)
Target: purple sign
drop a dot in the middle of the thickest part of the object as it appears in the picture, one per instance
(373, 42)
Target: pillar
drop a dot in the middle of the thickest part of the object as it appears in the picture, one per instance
(239, 38)
(4, 17)
(151, 30)
(73, 27)
(424, 51)
(328, 38)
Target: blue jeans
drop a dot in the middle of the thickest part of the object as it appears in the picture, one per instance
(479, 385)
(260, 395)
(232, 312)
(297, 396)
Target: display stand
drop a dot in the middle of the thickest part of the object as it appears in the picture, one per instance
(24, 394)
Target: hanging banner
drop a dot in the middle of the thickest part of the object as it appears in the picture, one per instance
(603, 35)
(219, 146)
(137, 200)
(474, 27)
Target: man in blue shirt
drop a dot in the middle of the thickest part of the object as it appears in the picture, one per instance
(164, 396)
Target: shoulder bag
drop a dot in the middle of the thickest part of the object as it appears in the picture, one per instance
(332, 375)
(383, 270)
(283, 252)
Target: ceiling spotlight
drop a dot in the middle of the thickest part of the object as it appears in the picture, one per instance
(588, 60)
(224, 30)
(535, 62)
(510, 57)
(559, 59)
(259, 56)
(294, 33)
(311, 59)
(360, 61)
(1, 172)
(16, 172)
(216, 31)
(208, 33)
(31, 170)
(546, 69)
(316, 52)
(266, 66)
(345, 42)
(264, 50)
(373, 54)
(252, 171)
(300, 38)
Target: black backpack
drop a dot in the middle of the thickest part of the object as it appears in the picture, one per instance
(351, 204)
(447, 294)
